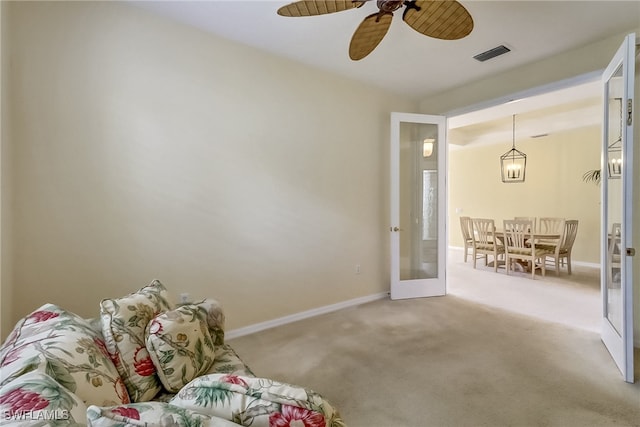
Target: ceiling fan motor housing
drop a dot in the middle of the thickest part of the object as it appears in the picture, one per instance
(390, 5)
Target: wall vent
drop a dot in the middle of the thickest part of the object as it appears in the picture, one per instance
(492, 53)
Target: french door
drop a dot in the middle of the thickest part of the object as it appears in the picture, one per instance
(617, 178)
(418, 205)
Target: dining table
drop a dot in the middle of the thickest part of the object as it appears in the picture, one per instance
(536, 236)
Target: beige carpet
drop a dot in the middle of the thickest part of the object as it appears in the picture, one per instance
(448, 361)
(573, 300)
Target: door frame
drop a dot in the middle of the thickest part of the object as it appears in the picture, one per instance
(591, 77)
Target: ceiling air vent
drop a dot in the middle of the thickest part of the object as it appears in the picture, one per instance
(492, 53)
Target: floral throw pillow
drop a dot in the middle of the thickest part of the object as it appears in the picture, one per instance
(124, 321)
(256, 402)
(65, 347)
(180, 345)
(215, 319)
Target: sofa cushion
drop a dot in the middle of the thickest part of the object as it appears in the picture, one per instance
(123, 325)
(35, 398)
(150, 414)
(227, 361)
(180, 345)
(256, 402)
(64, 346)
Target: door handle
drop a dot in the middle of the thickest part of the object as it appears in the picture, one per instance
(631, 251)
(396, 229)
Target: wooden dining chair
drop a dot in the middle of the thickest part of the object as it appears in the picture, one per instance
(561, 251)
(467, 231)
(485, 242)
(533, 219)
(520, 245)
(570, 233)
(551, 225)
(613, 251)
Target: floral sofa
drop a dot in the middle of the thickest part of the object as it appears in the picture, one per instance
(143, 362)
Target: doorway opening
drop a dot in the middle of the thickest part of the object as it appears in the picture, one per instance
(559, 130)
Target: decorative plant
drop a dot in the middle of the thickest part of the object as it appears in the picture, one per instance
(592, 176)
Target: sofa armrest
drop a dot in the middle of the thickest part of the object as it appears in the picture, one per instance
(256, 402)
(35, 398)
(150, 414)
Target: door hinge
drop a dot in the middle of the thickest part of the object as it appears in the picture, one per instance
(629, 112)
(631, 251)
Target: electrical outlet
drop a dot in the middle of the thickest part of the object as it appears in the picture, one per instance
(184, 298)
(357, 268)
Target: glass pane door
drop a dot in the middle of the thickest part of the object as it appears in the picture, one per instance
(613, 173)
(617, 213)
(417, 233)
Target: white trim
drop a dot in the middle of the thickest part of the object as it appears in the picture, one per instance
(538, 90)
(257, 327)
(586, 264)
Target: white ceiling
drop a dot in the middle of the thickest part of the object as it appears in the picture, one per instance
(536, 116)
(407, 62)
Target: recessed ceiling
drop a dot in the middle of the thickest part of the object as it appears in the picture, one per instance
(566, 109)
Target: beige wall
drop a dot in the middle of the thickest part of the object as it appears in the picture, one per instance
(146, 149)
(553, 186)
(140, 148)
(5, 176)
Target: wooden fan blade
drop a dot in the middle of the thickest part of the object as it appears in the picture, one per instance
(317, 7)
(442, 19)
(369, 34)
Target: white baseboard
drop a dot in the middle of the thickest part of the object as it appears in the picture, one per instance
(586, 264)
(235, 333)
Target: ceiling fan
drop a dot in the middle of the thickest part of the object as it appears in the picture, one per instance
(442, 19)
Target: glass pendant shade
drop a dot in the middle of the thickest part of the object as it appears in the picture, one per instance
(427, 147)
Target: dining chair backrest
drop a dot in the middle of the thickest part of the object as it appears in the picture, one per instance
(570, 233)
(517, 235)
(467, 227)
(467, 234)
(519, 244)
(483, 230)
(533, 220)
(551, 225)
(615, 229)
(614, 239)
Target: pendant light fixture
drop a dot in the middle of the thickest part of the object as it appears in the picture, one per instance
(614, 149)
(427, 147)
(513, 163)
